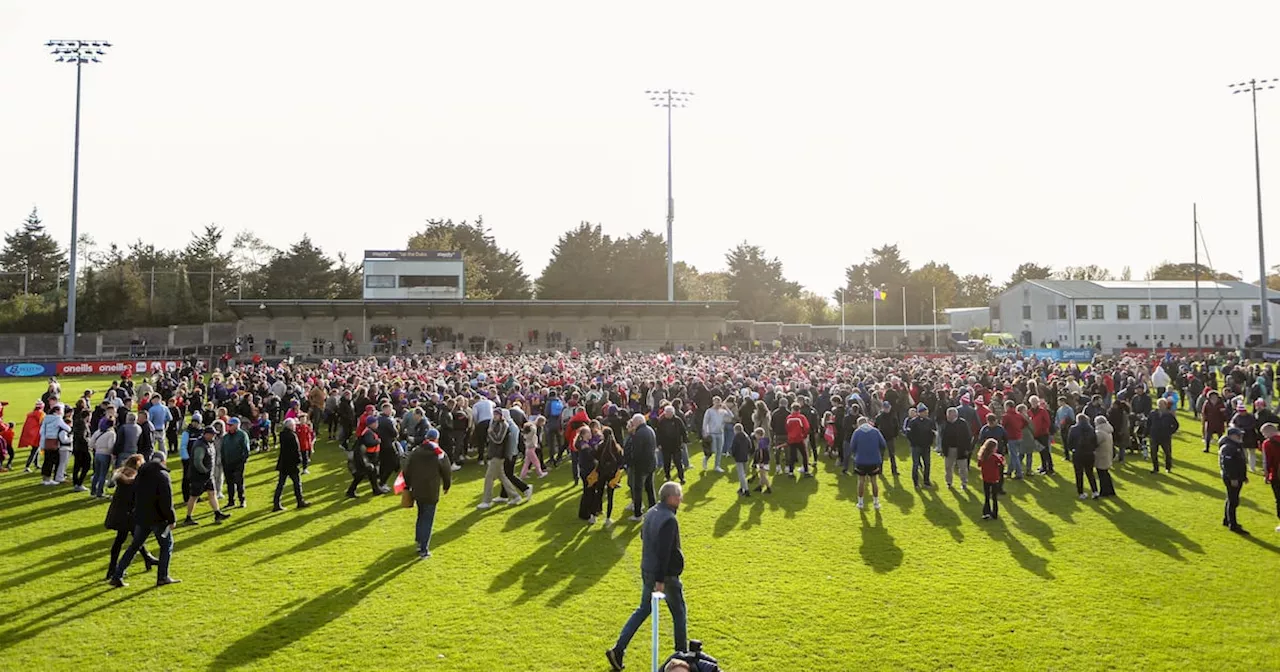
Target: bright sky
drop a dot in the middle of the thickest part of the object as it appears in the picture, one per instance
(983, 134)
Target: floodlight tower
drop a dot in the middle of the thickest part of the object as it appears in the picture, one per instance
(670, 99)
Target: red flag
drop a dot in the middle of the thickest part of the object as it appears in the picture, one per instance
(399, 484)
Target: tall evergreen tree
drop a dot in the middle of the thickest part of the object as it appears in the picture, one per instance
(580, 266)
(757, 284)
(303, 272)
(31, 254)
(498, 273)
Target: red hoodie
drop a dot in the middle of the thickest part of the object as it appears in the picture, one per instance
(1013, 425)
(797, 428)
(1041, 423)
(1271, 458)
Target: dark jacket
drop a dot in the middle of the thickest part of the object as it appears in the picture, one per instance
(425, 474)
(671, 433)
(639, 449)
(290, 456)
(741, 449)
(120, 513)
(1231, 461)
(1082, 441)
(1161, 426)
(660, 556)
(153, 496)
(957, 435)
(921, 431)
(234, 450)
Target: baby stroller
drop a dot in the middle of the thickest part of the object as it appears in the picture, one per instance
(260, 435)
(1138, 433)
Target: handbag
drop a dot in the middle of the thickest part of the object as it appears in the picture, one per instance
(406, 499)
(593, 478)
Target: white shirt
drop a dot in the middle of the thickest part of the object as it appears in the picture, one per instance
(483, 410)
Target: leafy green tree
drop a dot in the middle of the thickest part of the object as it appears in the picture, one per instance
(32, 252)
(303, 272)
(921, 287)
(692, 285)
(1167, 270)
(498, 273)
(974, 290)
(1028, 271)
(884, 269)
(757, 284)
(581, 266)
(639, 267)
(1089, 272)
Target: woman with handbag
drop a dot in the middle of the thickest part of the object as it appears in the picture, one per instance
(592, 486)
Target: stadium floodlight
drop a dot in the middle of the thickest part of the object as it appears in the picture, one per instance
(670, 99)
(79, 52)
(1252, 87)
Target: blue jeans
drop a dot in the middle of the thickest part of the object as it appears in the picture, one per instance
(920, 464)
(164, 538)
(101, 466)
(1015, 458)
(717, 446)
(422, 529)
(675, 602)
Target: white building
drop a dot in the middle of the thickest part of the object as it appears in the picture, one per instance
(964, 320)
(413, 274)
(1146, 313)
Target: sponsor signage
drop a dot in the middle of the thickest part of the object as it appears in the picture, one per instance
(1042, 353)
(441, 255)
(1001, 353)
(26, 370)
(115, 367)
(1055, 354)
(1077, 354)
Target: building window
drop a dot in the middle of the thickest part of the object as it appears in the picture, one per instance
(1082, 312)
(1184, 312)
(446, 281)
(1122, 312)
(1146, 337)
(1062, 312)
(1051, 312)
(1162, 312)
(380, 281)
(1255, 315)
(1026, 312)
(1144, 312)
(1098, 313)
(1204, 312)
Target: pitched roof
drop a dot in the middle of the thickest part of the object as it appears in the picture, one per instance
(1154, 289)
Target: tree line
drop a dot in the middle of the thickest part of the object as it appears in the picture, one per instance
(142, 284)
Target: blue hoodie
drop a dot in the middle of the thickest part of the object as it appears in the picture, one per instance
(865, 444)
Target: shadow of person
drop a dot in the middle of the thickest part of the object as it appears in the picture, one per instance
(792, 494)
(939, 514)
(698, 493)
(1029, 561)
(1147, 529)
(899, 496)
(315, 613)
(879, 551)
(728, 520)
(1028, 523)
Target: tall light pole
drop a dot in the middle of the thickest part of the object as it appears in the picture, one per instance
(1253, 86)
(79, 52)
(841, 290)
(670, 99)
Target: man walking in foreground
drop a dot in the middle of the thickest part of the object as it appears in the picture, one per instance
(661, 563)
(152, 515)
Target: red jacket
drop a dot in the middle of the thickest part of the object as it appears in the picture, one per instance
(1041, 422)
(797, 428)
(306, 437)
(1215, 417)
(31, 430)
(1013, 425)
(1271, 458)
(992, 465)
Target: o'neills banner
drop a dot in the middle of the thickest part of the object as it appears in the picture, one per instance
(98, 368)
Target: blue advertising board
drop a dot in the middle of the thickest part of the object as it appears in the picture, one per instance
(1042, 353)
(1001, 353)
(1076, 355)
(27, 370)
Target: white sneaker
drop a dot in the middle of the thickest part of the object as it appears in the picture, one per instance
(1084, 496)
(859, 502)
(627, 508)
(608, 522)
(46, 482)
(517, 501)
(499, 500)
(1277, 528)
(875, 503)
(634, 519)
(591, 520)
(60, 481)
(542, 475)
(80, 488)
(456, 467)
(483, 505)
(528, 492)
(719, 470)
(306, 471)
(1096, 495)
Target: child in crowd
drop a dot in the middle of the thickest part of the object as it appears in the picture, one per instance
(531, 450)
(306, 440)
(741, 452)
(992, 465)
(762, 460)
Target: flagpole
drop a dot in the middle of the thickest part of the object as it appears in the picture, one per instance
(904, 314)
(874, 300)
(935, 319)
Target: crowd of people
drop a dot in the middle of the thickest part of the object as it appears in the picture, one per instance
(612, 419)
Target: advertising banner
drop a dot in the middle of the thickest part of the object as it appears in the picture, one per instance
(27, 370)
(1001, 353)
(1042, 353)
(115, 367)
(1077, 355)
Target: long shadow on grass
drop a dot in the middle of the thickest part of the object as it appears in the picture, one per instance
(1032, 526)
(697, 494)
(314, 613)
(939, 514)
(1147, 529)
(899, 496)
(1054, 494)
(1029, 561)
(39, 624)
(58, 538)
(333, 533)
(728, 520)
(792, 493)
(879, 550)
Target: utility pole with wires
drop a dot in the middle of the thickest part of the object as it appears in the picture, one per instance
(670, 99)
(1252, 87)
(79, 52)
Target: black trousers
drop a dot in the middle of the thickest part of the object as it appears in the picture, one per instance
(1275, 491)
(1233, 501)
(81, 465)
(990, 499)
(1084, 467)
(388, 465)
(672, 456)
(1106, 487)
(297, 486)
(1166, 446)
(794, 449)
(480, 437)
(186, 480)
(509, 468)
(50, 462)
(234, 476)
(364, 471)
(121, 537)
(642, 484)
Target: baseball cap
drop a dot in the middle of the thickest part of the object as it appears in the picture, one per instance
(209, 430)
(921, 407)
(433, 434)
(196, 417)
(1235, 431)
(233, 421)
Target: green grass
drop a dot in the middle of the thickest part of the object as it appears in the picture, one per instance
(1147, 581)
